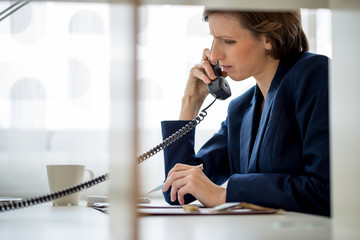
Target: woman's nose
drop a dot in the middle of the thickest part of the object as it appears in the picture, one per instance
(216, 53)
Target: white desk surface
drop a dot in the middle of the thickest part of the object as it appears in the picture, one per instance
(80, 222)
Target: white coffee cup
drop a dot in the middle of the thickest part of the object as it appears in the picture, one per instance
(64, 176)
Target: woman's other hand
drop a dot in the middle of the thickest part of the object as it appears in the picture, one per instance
(186, 179)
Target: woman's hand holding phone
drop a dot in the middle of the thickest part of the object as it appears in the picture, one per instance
(196, 90)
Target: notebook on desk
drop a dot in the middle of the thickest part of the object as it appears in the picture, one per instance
(101, 203)
(234, 208)
(7, 200)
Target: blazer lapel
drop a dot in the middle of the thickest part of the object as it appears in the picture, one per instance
(262, 127)
(245, 137)
(283, 68)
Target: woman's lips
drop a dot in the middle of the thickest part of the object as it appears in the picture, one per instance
(226, 68)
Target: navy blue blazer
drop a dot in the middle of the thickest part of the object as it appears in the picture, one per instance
(279, 158)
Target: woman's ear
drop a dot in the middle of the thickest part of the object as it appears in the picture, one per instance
(267, 43)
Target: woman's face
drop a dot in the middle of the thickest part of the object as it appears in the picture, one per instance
(239, 53)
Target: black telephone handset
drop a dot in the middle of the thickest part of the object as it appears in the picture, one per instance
(219, 87)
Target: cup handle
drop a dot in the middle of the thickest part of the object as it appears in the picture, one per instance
(91, 173)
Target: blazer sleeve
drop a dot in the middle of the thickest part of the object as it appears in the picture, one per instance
(182, 151)
(308, 191)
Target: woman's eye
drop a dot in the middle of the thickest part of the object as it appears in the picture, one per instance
(229, 41)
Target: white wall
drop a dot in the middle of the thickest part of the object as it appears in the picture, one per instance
(345, 119)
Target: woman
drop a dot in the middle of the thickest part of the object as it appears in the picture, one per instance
(273, 147)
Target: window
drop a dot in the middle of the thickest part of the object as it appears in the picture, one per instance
(54, 92)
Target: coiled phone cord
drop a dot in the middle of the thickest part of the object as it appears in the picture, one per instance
(59, 194)
(175, 136)
(77, 188)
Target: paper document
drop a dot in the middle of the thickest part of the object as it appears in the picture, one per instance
(237, 208)
(163, 209)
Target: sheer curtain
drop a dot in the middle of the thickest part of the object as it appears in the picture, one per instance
(54, 93)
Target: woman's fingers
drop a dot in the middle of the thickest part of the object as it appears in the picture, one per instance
(179, 178)
(178, 167)
(203, 71)
(206, 54)
(173, 175)
(175, 187)
(187, 188)
(200, 74)
(186, 179)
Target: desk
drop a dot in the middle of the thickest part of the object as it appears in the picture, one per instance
(47, 222)
(263, 227)
(80, 222)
